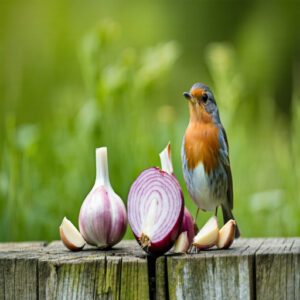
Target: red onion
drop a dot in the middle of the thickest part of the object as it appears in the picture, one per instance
(102, 218)
(155, 210)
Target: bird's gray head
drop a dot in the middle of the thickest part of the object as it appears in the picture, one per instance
(201, 101)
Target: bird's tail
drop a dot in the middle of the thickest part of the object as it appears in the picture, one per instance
(227, 215)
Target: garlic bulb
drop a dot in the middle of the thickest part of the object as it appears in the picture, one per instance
(102, 218)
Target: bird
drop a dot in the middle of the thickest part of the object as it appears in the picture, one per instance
(205, 155)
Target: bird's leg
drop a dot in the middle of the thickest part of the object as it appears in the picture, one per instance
(195, 220)
(216, 212)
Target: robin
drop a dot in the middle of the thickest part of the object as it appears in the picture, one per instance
(205, 155)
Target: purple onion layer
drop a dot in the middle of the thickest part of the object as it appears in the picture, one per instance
(154, 184)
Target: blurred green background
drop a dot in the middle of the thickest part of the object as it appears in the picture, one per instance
(77, 76)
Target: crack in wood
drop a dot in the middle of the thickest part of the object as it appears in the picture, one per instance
(152, 276)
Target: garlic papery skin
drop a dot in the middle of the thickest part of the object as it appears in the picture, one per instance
(103, 217)
(166, 161)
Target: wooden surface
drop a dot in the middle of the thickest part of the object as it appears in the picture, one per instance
(250, 269)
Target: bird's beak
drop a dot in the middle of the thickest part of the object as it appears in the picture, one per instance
(187, 95)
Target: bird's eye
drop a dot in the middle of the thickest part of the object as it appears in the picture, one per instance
(204, 97)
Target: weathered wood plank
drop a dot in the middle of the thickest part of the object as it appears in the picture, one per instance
(296, 261)
(22, 246)
(161, 279)
(134, 279)
(71, 279)
(275, 270)
(251, 269)
(18, 269)
(112, 284)
(18, 275)
(120, 273)
(213, 274)
(29, 271)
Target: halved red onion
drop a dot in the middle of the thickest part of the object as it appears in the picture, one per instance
(155, 210)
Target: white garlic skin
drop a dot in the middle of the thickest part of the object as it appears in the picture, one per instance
(103, 217)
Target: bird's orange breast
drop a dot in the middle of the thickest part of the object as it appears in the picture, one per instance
(202, 145)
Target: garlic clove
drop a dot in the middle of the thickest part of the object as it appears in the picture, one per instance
(70, 236)
(226, 235)
(208, 235)
(182, 243)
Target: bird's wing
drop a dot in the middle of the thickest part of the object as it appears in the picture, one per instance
(230, 188)
(224, 151)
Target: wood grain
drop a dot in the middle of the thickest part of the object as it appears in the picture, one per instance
(213, 274)
(250, 269)
(276, 270)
